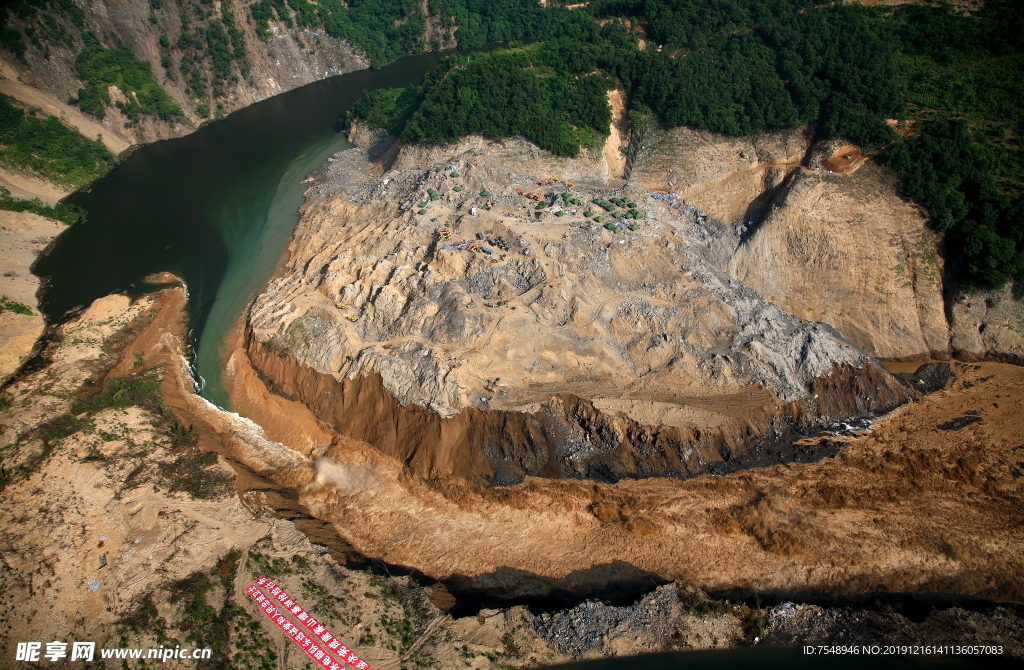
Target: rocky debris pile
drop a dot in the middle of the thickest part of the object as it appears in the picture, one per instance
(587, 625)
(928, 378)
(688, 370)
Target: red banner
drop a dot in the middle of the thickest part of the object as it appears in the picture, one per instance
(277, 605)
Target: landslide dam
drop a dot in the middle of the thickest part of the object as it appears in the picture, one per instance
(555, 347)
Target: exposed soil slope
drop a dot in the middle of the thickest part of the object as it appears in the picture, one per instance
(730, 178)
(846, 250)
(23, 236)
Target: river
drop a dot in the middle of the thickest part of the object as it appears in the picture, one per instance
(215, 207)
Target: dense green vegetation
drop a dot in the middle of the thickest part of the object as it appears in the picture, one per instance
(100, 67)
(497, 94)
(972, 68)
(964, 80)
(48, 148)
(944, 172)
(388, 108)
(838, 66)
(512, 93)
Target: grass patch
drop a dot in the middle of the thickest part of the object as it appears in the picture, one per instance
(15, 307)
(261, 564)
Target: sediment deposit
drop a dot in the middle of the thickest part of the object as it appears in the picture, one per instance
(23, 236)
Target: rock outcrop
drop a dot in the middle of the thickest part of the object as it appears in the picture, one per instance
(989, 324)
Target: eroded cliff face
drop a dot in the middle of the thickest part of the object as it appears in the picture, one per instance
(822, 232)
(568, 350)
(989, 324)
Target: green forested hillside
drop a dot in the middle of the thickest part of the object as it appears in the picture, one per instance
(730, 66)
(386, 29)
(100, 67)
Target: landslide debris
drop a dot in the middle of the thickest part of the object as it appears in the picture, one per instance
(98, 544)
(563, 346)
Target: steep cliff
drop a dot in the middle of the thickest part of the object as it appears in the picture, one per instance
(730, 178)
(989, 324)
(822, 232)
